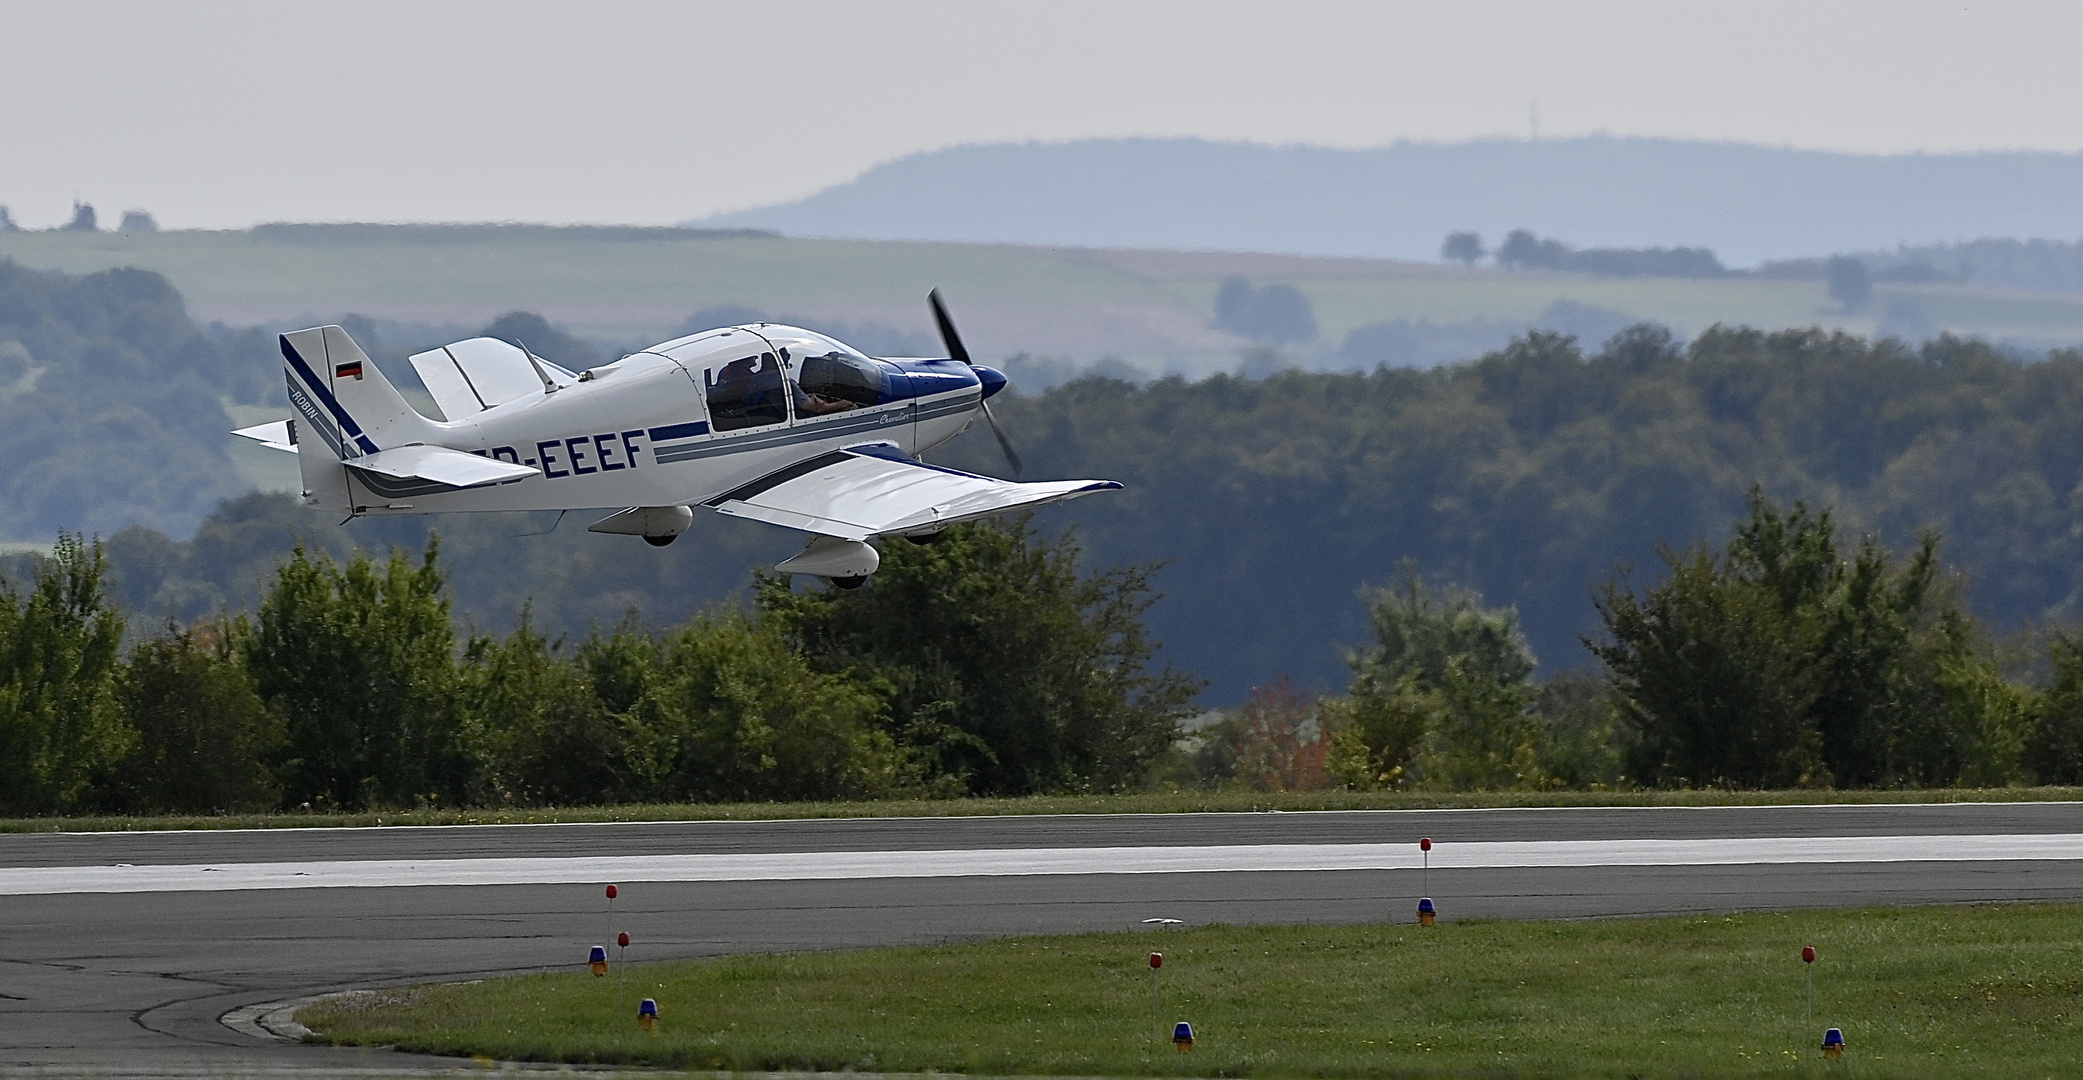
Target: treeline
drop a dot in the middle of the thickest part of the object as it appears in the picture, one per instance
(1786, 657)
(1530, 473)
(986, 663)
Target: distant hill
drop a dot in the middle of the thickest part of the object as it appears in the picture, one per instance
(1746, 203)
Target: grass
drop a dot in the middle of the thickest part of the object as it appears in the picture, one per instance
(1919, 992)
(1153, 802)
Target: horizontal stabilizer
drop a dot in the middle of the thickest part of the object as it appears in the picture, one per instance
(874, 490)
(276, 435)
(441, 465)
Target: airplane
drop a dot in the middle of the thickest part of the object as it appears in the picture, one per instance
(761, 421)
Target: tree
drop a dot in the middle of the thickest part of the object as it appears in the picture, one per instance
(1522, 250)
(734, 713)
(548, 737)
(1462, 247)
(1276, 313)
(205, 740)
(1441, 696)
(1420, 632)
(1851, 283)
(60, 728)
(1001, 665)
(361, 663)
(1786, 660)
(1277, 741)
(2055, 753)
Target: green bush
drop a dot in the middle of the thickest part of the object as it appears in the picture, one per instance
(360, 660)
(1786, 660)
(1002, 666)
(205, 740)
(2055, 750)
(61, 729)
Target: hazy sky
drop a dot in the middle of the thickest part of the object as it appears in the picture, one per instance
(224, 114)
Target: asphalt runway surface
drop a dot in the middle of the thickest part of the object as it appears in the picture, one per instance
(100, 980)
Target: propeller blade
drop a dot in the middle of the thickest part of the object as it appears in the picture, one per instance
(1004, 443)
(948, 337)
(955, 349)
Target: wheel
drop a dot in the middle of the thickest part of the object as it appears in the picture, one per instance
(849, 582)
(926, 538)
(661, 541)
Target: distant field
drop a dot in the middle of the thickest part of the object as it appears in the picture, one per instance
(1918, 992)
(1150, 308)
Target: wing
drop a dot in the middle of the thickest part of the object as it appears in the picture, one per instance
(874, 490)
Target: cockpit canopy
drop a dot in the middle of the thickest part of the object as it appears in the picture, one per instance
(745, 371)
(826, 368)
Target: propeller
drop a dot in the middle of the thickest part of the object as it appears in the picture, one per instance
(953, 341)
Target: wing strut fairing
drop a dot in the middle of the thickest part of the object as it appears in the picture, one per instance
(873, 489)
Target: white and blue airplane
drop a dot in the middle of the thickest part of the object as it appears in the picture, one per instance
(768, 422)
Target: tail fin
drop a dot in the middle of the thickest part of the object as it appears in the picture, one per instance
(344, 400)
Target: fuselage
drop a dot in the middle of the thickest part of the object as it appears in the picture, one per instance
(688, 419)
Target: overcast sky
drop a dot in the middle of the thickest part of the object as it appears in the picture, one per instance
(225, 114)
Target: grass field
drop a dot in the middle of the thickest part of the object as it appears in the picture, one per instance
(1919, 992)
(1151, 308)
(1154, 802)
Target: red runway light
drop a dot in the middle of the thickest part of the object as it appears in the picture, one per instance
(1156, 960)
(622, 939)
(1808, 954)
(612, 891)
(1424, 843)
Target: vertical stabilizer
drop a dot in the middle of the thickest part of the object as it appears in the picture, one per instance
(344, 404)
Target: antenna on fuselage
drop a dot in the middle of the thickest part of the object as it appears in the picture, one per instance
(548, 387)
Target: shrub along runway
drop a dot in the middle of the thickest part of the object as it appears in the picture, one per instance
(117, 978)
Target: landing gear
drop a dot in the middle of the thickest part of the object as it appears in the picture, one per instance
(661, 541)
(850, 583)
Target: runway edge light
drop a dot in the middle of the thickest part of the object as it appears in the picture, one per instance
(647, 1014)
(597, 959)
(622, 940)
(1426, 912)
(1833, 1044)
(1182, 1037)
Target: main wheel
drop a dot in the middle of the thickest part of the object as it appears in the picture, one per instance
(850, 582)
(661, 541)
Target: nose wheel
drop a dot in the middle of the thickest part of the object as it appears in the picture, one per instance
(849, 583)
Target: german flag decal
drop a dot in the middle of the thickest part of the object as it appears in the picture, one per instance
(347, 371)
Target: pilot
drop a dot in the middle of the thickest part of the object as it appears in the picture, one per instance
(809, 404)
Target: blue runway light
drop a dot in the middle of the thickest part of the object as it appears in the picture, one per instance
(647, 1014)
(1833, 1044)
(1426, 912)
(597, 959)
(1182, 1037)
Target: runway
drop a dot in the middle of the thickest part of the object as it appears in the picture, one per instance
(107, 967)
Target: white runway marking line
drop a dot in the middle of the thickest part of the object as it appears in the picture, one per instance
(1024, 862)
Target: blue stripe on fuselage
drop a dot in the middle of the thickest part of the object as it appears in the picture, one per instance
(679, 431)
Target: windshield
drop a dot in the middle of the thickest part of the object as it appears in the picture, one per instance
(829, 377)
